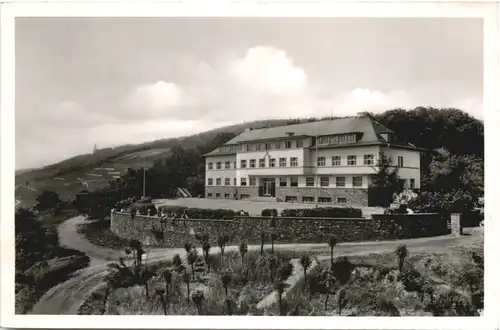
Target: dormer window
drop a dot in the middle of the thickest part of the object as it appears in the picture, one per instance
(386, 136)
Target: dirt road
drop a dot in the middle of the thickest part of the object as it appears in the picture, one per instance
(67, 297)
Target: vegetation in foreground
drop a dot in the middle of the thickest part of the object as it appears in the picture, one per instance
(41, 262)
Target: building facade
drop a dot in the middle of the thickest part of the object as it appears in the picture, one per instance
(330, 162)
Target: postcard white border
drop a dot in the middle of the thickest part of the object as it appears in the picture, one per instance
(487, 10)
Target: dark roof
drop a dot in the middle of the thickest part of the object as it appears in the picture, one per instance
(365, 125)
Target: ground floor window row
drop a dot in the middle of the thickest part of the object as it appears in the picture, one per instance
(290, 199)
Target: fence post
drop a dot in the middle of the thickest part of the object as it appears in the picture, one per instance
(456, 226)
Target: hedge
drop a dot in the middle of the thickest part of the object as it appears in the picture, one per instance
(269, 212)
(324, 212)
(196, 213)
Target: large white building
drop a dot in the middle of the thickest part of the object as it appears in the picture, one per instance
(331, 159)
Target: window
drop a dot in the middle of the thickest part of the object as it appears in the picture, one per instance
(290, 199)
(300, 143)
(243, 181)
(277, 145)
(244, 196)
(412, 183)
(262, 162)
(351, 138)
(226, 195)
(234, 182)
(294, 182)
(357, 181)
(272, 162)
(217, 194)
(323, 140)
(252, 163)
(227, 165)
(294, 162)
(210, 181)
(340, 181)
(219, 165)
(368, 159)
(218, 181)
(253, 181)
(334, 139)
(321, 161)
(267, 146)
(325, 181)
(243, 163)
(210, 165)
(257, 147)
(307, 199)
(309, 181)
(402, 183)
(209, 194)
(335, 160)
(324, 199)
(400, 161)
(282, 182)
(342, 139)
(351, 160)
(227, 181)
(288, 144)
(282, 162)
(341, 200)
(234, 164)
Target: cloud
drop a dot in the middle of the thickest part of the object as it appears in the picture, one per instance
(268, 70)
(472, 105)
(157, 99)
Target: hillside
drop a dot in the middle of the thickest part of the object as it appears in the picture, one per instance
(425, 127)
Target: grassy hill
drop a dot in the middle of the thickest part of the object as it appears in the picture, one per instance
(96, 170)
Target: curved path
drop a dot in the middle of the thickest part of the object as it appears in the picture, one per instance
(67, 297)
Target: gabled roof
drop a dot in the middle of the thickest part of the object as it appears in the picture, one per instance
(365, 125)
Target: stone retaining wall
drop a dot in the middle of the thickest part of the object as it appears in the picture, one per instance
(168, 233)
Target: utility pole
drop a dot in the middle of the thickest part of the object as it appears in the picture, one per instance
(144, 178)
(316, 174)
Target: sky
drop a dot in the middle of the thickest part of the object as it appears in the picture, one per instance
(114, 81)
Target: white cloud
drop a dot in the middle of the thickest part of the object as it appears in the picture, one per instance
(156, 99)
(472, 105)
(268, 70)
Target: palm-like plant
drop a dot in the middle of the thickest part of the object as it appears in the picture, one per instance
(191, 258)
(221, 242)
(274, 236)
(329, 282)
(160, 293)
(262, 240)
(402, 253)
(186, 278)
(226, 280)
(332, 241)
(243, 251)
(305, 261)
(177, 262)
(167, 276)
(188, 247)
(198, 296)
(341, 301)
(206, 253)
(280, 288)
(272, 266)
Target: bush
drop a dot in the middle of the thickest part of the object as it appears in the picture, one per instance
(411, 279)
(451, 303)
(324, 212)
(145, 208)
(196, 213)
(269, 213)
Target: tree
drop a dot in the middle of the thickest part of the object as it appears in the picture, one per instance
(274, 236)
(272, 266)
(167, 276)
(332, 242)
(48, 200)
(280, 288)
(226, 280)
(221, 242)
(402, 253)
(191, 258)
(186, 279)
(160, 293)
(262, 240)
(243, 251)
(305, 261)
(206, 253)
(177, 263)
(341, 301)
(198, 297)
(385, 182)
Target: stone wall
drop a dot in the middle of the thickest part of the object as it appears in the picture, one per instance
(168, 233)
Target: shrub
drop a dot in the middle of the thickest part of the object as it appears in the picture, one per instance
(451, 303)
(196, 213)
(269, 213)
(411, 279)
(144, 208)
(324, 212)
